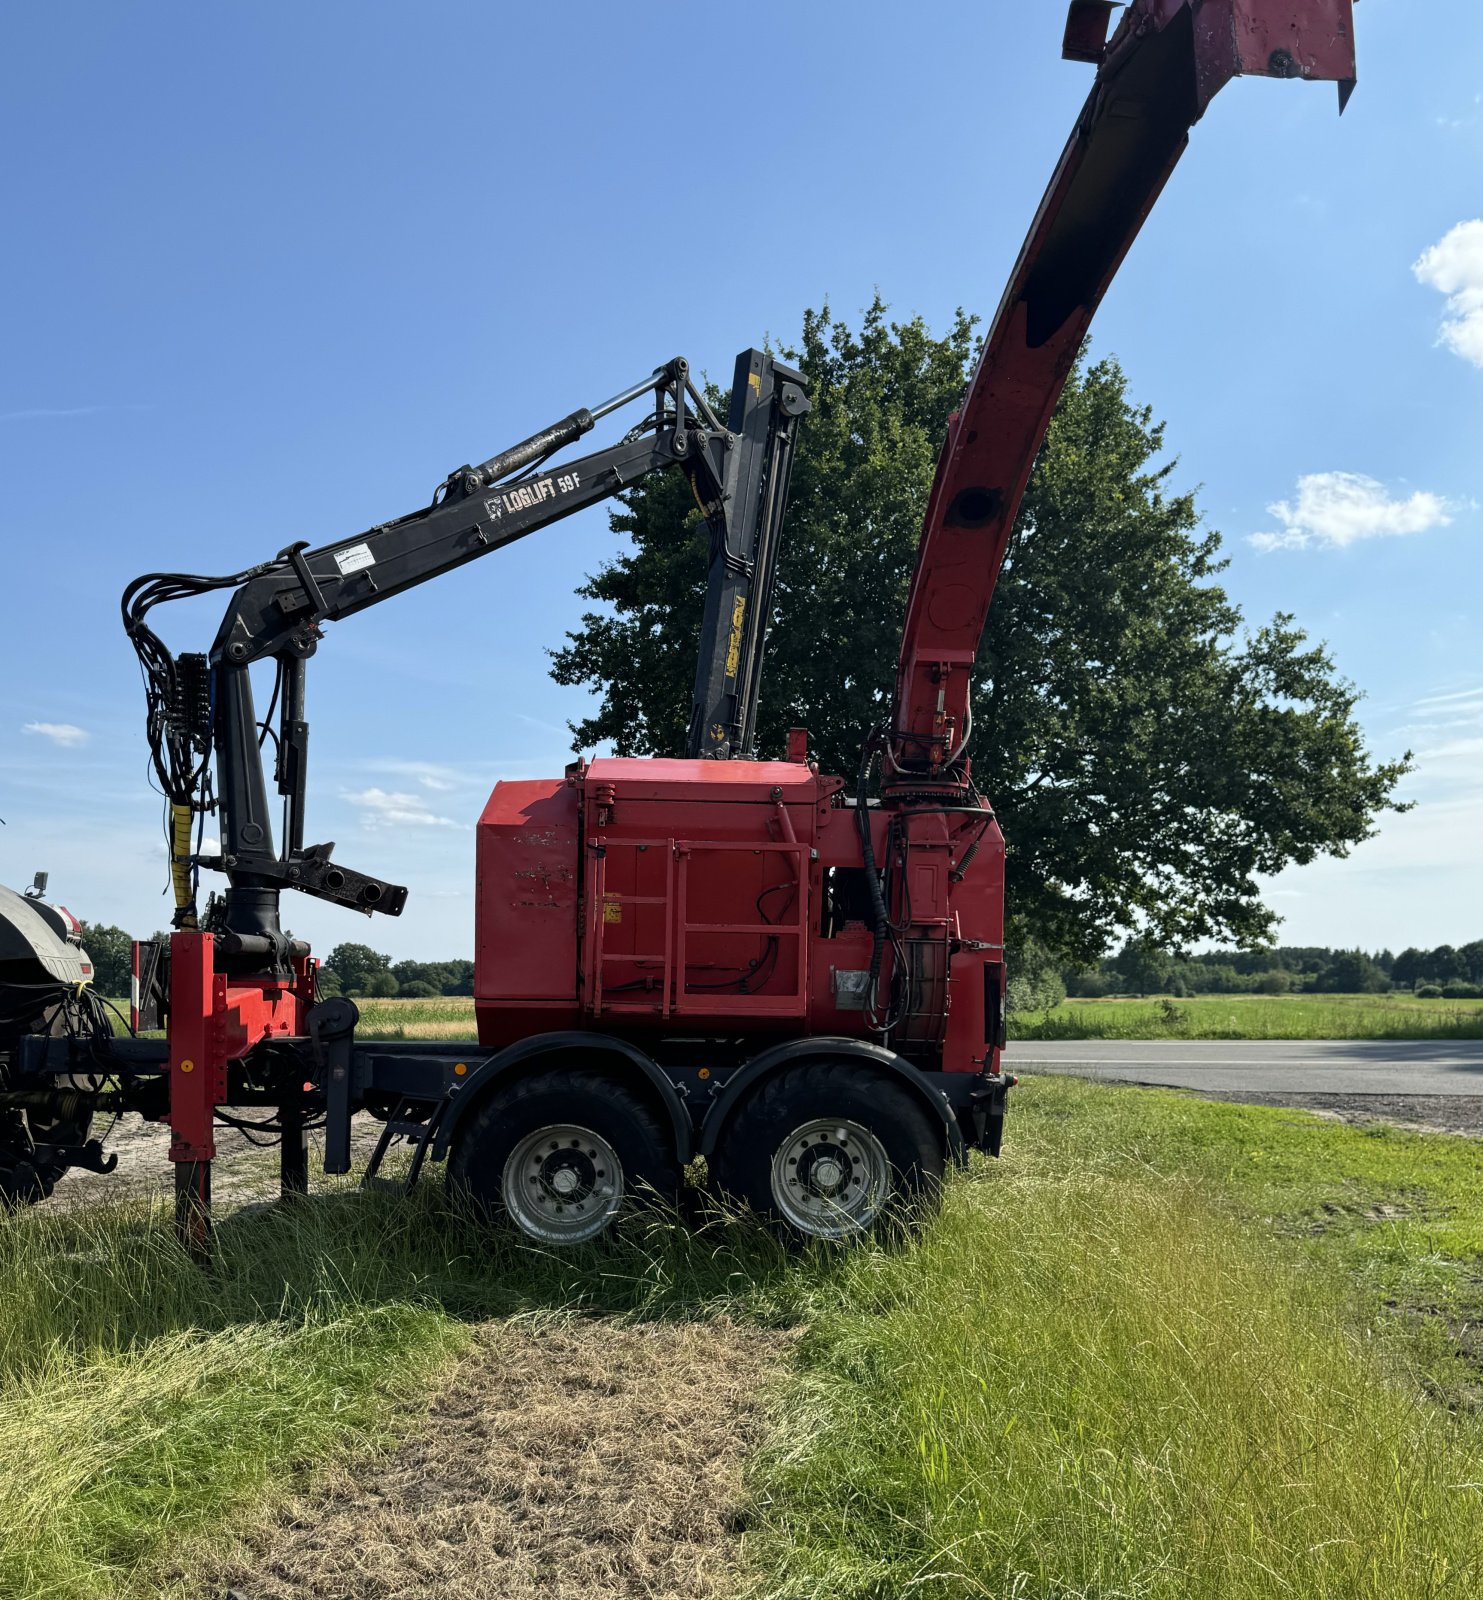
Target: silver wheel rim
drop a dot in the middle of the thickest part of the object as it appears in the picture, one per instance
(562, 1184)
(831, 1178)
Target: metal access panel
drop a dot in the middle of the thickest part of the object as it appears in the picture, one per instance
(526, 934)
(698, 928)
(741, 934)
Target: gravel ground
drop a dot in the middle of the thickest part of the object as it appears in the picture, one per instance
(1456, 1113)
(143, 1151)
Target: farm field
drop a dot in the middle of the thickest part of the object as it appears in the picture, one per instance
(1317, 1016)
(1200, 1017)
(1164, 1347)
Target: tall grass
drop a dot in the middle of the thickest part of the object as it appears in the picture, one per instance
(1251, 1017)
(1099, 1373)
(448, 1017)
(1090, 1384)
(145, 1403)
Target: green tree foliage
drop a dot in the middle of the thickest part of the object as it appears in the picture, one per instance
(881, 400)
(1035, 982)
(1143, 967)
(111, 951)
(1148, 754)
(1443, 965)
(1353, 972)
(356, 969)
(356, 966)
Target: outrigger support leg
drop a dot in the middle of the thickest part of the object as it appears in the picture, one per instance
(293, 1152)
(193, 1209)
(197, 1083)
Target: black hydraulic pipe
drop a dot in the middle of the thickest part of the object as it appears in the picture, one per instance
(536, 448)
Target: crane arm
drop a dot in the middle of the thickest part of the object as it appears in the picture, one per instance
(201, 706)
(1156, 75)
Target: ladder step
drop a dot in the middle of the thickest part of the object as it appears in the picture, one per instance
(418, 1134)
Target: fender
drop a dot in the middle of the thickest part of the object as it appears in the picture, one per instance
(770, 1062)
(509, 1062)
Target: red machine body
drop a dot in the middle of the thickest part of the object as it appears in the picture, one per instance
(717, 957)
(654, 898)
(728, 899)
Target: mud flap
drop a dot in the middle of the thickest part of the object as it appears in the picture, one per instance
(990, 1105)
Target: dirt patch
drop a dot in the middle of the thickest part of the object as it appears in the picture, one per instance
(580, 1459)
(1428, 1113)
(244, 1170)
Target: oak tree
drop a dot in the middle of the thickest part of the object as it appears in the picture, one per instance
(1150, 755)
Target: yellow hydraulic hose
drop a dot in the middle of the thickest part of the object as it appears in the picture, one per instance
(180, 866)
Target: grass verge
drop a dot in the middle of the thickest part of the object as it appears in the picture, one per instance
(146, 1405)
(1164, 1348)
(1104, 1373)
(1255, 1017)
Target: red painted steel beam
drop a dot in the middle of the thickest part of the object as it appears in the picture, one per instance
(197, 1082)
(1157, 73)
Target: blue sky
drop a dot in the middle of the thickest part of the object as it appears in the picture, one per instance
(274, 270)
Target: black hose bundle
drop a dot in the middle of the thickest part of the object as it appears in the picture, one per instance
(178, 717)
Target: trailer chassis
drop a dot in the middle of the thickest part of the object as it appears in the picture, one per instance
(306, 1066)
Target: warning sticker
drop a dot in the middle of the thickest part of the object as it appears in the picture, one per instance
(353, 558)
(612, 909)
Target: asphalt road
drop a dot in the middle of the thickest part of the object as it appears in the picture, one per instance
(1269, 1067)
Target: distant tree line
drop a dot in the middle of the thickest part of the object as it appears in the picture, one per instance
(351, 969)
(359, 971)
(1037, 981)
(1141, 967)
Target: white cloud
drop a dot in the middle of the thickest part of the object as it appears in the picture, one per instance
(430, 774)
(66, 734)
(1429, 702)
(1334, 509)
(382, 809)
(1454, 267)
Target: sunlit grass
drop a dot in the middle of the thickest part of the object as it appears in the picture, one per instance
(1096, 1378)
(1255, 1017)
(1162, 1349)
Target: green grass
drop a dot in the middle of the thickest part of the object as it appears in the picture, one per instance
(1255, 1017)
(1350, 1016)
(145, 1404)
(1165, 1348)
(449, 1017)
(1200, 1017)
(1337, 1016)
(1107, 1373)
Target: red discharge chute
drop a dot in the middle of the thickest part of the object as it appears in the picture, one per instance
(1157, 73)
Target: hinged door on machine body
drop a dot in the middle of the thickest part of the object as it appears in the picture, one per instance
(703, 928)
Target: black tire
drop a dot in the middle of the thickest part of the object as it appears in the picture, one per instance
(775, 1120)
(26, 1178)
(23, 1180)
(571, 1099)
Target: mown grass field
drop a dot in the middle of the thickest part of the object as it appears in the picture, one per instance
(1163, 1349)
(1160, 1016)
(1200, 1017)
(1256, 1017)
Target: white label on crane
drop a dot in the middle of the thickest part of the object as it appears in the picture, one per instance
(354, 558)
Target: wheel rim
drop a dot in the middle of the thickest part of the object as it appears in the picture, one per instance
(562, 1184)
(830, 1178)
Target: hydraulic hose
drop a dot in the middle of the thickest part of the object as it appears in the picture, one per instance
(180, 866)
